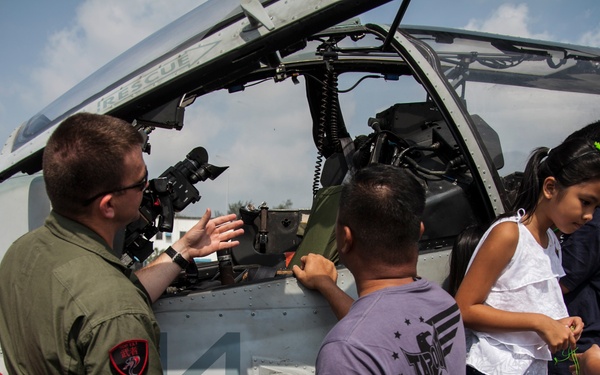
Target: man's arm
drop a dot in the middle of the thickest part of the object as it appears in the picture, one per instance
(589, 361)
(319, 273)
(110, 344)
(203, 239)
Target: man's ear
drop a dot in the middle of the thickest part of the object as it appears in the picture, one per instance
(421, 230)
(549, 188)
(106, 206)
(347, 239)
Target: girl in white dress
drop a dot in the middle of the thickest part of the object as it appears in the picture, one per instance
(510, 298)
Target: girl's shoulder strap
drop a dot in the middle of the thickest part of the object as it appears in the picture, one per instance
(517, 217)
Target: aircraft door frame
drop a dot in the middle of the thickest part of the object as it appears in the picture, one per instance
(456, 115)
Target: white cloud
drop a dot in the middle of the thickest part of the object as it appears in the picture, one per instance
(590, 38)
(508, 19)
(102, 30)
(263, 134)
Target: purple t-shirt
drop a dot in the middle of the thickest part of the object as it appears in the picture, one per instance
(411, 329)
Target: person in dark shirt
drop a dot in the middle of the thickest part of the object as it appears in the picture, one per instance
(581, 284)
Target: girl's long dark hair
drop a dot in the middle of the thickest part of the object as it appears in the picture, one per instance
(574, 161)
(462, 250)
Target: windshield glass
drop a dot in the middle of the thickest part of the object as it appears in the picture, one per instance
(529, 94)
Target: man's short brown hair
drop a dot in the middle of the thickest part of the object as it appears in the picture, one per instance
(84, 156)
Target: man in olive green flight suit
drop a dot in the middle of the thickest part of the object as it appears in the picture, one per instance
(67, 304)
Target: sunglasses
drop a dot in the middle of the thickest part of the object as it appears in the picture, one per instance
(141, 185)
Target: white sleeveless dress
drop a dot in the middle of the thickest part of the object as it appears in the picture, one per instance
(529, 283)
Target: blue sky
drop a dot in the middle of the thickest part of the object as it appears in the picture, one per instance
(49, 46)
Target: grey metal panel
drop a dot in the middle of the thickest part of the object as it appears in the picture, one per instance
(39, 203)
(434, 266)
(279, 323)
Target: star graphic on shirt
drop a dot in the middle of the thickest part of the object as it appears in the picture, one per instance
(395, 355)
(397, 334)
(407, 322)
(421, 319)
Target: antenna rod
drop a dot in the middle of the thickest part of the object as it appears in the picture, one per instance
(394, 27)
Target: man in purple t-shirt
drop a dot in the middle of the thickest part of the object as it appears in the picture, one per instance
(400, 324)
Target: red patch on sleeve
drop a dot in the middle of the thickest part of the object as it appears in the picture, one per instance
(129, 357)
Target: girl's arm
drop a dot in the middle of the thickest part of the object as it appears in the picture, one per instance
(576, 325)
(493, 256)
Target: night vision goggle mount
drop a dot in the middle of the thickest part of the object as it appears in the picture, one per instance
(171, 192)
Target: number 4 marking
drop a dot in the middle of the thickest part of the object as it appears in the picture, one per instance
(229, 344)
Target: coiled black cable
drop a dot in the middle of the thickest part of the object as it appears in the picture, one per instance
(328, 115)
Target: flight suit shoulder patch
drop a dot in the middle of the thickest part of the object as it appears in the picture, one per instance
(129, 357)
